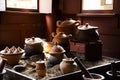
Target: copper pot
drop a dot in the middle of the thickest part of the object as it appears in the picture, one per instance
(86, 33)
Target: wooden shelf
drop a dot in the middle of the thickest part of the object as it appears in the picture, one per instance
(96, 14)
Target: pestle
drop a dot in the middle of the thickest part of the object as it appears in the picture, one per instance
(2, 64)
(82, 67)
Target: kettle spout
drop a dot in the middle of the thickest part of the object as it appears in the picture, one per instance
(69, 35)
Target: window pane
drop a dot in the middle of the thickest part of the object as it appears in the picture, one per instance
(2, 5)
(108, 2)
(97, 4)
(25, 4)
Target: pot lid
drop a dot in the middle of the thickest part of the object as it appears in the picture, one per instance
(68, 22)
(57, 49)
(33, 40)
(87, 27)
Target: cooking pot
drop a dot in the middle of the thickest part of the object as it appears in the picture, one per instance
(56, 54)
(33, 46)
(86, 33)
(68, 23)
(67, 26)
(61, 38)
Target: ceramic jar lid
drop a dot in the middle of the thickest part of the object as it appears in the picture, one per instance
(33, 40)
(57, 49)
(68, 23)
(86, 27)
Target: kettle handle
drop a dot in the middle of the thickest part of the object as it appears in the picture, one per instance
(58, 23)
(53, 34)
(77, 23)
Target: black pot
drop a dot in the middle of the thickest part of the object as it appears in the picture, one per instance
(86, 33)
(33, 47)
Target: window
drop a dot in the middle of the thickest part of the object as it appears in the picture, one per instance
(97, 5)
(22, 5)
(2, 5)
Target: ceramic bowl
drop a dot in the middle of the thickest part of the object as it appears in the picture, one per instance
(95, 77)
(12, 58)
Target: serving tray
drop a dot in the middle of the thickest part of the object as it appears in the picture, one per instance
(54, 73)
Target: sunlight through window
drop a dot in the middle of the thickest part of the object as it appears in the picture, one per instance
(97, 4)
(25, 4)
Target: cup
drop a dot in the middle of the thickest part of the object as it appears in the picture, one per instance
(41, 68)
(95, 77)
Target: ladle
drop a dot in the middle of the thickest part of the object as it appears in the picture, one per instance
(82, 67)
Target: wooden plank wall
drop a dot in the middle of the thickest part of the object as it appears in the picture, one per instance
(15, 27)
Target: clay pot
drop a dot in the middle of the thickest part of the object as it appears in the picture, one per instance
(67, 65)
(62, 39)
(56, 54)
(33, 46)
(67, 26)
(68, 23)
(12, 55)
(86, 33)
(41, 68)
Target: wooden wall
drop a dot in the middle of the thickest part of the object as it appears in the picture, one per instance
(15, 27)
(109, 31)
(109, 26)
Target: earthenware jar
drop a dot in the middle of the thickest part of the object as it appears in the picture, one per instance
(67, 65)
(67, 26)
(68, 23)
(62, 39)
(33, 46)
(41, 68)
(56, 54)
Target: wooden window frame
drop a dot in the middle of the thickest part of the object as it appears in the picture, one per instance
(95, 11)
(22, 9)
